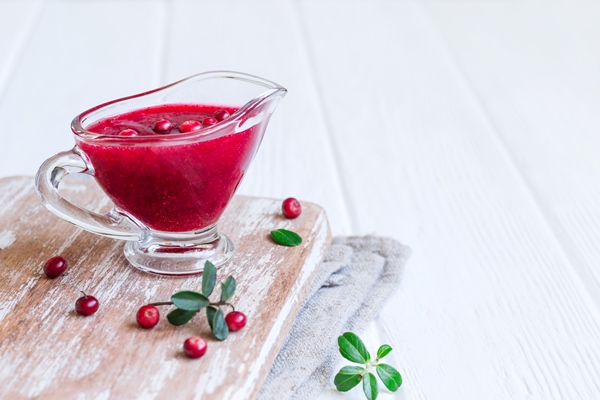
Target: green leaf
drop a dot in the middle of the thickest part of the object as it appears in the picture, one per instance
(370, 386)
(347, 378)
(227, 288)
(179, 317)
(383, 351)
(286, 238)
(219, 326)
(210, 315)
(209, 278)
(191, 301)
(353, 349)
(389, 376)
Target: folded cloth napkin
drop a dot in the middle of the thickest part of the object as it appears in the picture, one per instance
(356, 277)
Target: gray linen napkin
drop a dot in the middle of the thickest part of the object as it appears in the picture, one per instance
(355, 279)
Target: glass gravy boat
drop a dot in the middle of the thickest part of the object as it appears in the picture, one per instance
(168, 190)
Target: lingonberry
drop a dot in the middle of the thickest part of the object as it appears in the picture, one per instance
(291, 208)
(55, 267)
(235, 321)
(128, 132)
(147, 316)
(86, 305)
(190, 126)
(220, 115)
(163, 126)
(194, 347)
(209, 121)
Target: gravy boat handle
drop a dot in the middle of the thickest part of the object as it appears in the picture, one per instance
(47, 180)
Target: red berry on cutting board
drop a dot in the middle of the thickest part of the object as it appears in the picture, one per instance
(86, 305)
(195, 347)
(147, 316)
(55, 267)
(291, 208)
(235, 321)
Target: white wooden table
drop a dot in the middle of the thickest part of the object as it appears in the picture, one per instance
(468, 130)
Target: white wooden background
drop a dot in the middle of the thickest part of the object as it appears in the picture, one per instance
(469, 130)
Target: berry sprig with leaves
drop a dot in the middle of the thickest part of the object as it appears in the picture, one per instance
(353, 349)
(189, 303)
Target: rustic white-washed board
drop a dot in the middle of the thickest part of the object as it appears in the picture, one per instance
(48, 351)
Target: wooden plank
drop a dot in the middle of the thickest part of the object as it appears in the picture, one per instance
(79, 54)
(490, 306)
(50, 352)
(263, 38)
(538, 81)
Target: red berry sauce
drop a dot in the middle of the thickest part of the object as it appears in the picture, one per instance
(163, 126)
(209, 121)
(128, 132)
(190, 126)
(181, 186)
(221, 114)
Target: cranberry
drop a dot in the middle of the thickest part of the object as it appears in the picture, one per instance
(190, 126)
(291, 208)
(220, 115)
(55, 267)
(195, 347)
(209, 121)
(86, 305)
(147, 316)
(235, 321)
(163, 126)
(128, 132)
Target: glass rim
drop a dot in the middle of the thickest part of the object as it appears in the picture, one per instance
(273, 88)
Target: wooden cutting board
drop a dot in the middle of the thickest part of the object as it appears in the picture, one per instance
(48, 351)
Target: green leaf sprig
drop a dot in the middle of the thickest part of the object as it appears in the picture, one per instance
(189, 303)
(353, 349)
